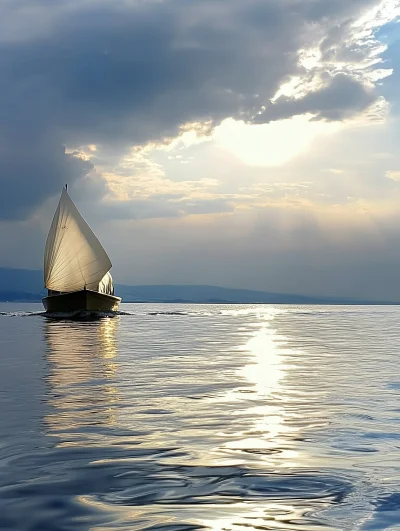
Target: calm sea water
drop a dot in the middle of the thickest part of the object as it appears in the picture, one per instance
(182, 417)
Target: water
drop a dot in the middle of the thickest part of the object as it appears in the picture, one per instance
(182, 417)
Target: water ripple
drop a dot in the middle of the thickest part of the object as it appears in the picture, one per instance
(182, 417)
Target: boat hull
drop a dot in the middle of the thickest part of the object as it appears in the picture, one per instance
(84, 300)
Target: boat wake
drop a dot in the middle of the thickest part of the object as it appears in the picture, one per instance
(167, 313)
(80, 315)
(64, 316)
(21, 314)
(87, 315)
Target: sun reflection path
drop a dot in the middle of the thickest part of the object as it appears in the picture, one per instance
(269, 437)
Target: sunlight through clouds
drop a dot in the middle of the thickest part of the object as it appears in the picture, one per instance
(270, 144)
(214, 124)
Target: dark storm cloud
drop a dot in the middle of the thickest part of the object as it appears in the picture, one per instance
(335, 11)
(342, 97)
(124, 73)
(31, 169)
(139, 73)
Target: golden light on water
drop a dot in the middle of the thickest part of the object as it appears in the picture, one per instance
(210, 423)
(266, 371)
(79, 355)
(256, 517)
(270, 437)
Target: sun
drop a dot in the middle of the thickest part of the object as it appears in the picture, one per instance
(271, 144)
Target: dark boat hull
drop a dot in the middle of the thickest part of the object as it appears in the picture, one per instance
(84, 300)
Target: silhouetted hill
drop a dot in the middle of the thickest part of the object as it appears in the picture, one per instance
(20, 280)
(27, 285)
(205, 294)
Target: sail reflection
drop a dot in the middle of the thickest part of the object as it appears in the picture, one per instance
(82, 370)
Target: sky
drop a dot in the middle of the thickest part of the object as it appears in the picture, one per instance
(241, 143)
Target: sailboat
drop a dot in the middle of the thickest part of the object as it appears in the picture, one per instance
(76, 267)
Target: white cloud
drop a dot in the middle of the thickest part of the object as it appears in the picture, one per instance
(393, 175)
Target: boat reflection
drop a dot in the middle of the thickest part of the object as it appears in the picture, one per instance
(82, 370)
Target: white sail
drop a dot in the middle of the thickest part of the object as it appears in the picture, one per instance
(106, 284)
(74, 258)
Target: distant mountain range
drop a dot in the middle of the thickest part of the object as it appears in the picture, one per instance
(210, 294)
(25, 285)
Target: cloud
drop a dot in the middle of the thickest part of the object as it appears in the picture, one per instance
(126, 73)
(272, 144)
(393, 175)
(342, 97)
(138, 71)
(164, 206)
(32, 169)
